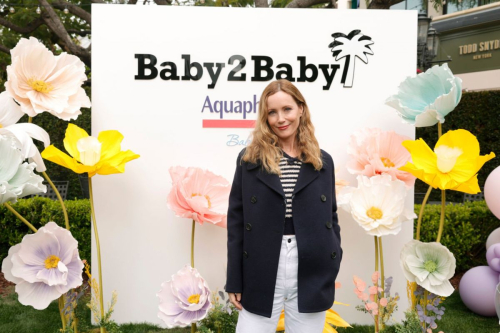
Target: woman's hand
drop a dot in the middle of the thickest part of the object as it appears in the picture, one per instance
(235, 298)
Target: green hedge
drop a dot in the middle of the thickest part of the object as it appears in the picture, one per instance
(39, 211)
(466, 227)
(479, 113)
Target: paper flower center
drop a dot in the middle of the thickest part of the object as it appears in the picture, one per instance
(447, 157)
(430, 266)
(90, 150)
(40, 86)
(206, 197)
(374, 213)
(194, 299)
(1, 125)
(387, 162)
(51, 261)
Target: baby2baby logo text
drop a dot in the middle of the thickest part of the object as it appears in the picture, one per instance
(343, 47)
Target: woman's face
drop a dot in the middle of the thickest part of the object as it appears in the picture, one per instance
(283, 115)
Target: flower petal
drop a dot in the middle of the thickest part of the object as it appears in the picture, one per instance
(38, 295)
(73, 134)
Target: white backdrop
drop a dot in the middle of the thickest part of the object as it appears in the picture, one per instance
(143, 243)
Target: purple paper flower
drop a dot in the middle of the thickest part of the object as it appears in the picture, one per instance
(44, 266)
(185, 299)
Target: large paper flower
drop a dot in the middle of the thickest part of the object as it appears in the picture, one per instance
(17, 179)
(374, 152)
(427, 98)
(10, 113)
(100, 155)
(377, 204)
(44, 266)
(453, 165)
(185, 299)
(430, 265)
(40, 81)
(199, 195)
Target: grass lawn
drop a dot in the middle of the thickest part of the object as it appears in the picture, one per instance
(16, 318)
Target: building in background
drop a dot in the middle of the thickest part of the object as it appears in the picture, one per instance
(469, 35)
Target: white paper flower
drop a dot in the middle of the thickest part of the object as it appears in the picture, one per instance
(44, 266)
(430, 265)
(10, 113)
(17, 179)
(185, 299)
(377, 204)
(40, 81)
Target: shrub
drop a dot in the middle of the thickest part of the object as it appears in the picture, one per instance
(38, 211)
(466, 228)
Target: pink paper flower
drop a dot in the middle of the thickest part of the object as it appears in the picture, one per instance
(185, 299)
(374, 152)
(337, 285)
(372, 307)
(199, 195)
(373, 290)
(383, 301)
(339, 184)
(375, 277)
(40, 81)
(360, 284)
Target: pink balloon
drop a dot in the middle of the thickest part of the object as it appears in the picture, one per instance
(492, 192)
(477, 290)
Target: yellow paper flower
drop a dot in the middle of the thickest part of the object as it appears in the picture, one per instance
(453, 165)
(332, 318)
(100, 155)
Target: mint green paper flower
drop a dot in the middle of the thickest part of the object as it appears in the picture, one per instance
(17, 179)
(427, 98)
(430, 265)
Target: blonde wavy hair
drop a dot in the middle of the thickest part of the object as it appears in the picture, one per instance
(264, 146)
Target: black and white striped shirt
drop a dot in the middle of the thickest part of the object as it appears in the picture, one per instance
(290, 168)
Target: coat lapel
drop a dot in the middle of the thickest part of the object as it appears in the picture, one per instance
(306, 175)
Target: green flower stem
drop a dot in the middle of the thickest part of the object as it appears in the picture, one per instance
(382, 280)
(66, 220)
(61, 307)
(30, 120)
(193, 325)
(376, 284)
(441, 220)
(192, 243)
(440, 130)
(13, 211)
(426, 293)
(98, 246)
(421, 213)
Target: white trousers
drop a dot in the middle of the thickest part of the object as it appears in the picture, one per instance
(285, 294)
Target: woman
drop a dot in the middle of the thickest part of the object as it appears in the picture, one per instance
(283, 233)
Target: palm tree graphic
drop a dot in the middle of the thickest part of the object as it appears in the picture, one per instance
(354, 45)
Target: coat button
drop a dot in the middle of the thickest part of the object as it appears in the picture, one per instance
(249, 227)
(323, 197)
(253, 199)
(245, 254)
(334, 255)
(329, 225)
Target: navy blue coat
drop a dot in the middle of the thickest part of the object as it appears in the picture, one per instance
(255, 226)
